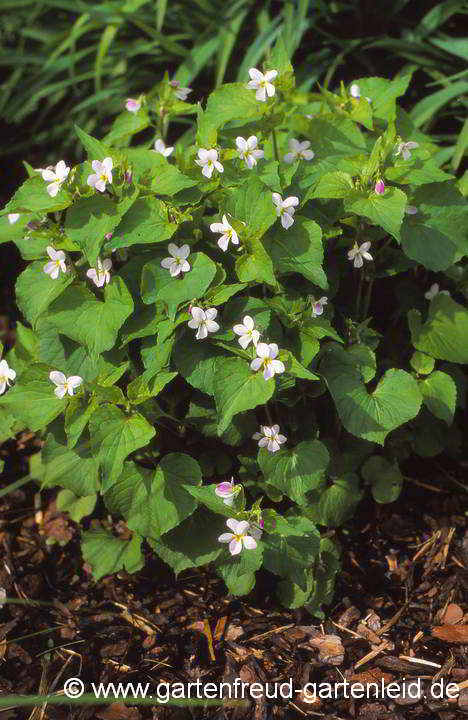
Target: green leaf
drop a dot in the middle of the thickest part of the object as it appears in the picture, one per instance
(298, 249)
(139, 390)
(337, 503)
(32, 399)
(289, 552)
(255, 266)
(33, 197)
(155, 502)
(415, 172)
(35, 290)
(254, 206)
(166, 179)
(158, 284)
(95, 148)
(72, 468)
(371, 416)
(238, 571)
(178, 549)
(196, 361)
(108, 554)
(237, 387)
(439, 394)
(79, 315)
(146, 222)
(114, 435)
(332, 185)
(76, 507)
(385, 478)
(423, 364)
(295, 471)
(383, 94)
(90, 219)
(386, 211)
(443, 335)
(233, 101)
(127, 124)
(207, 496)
(77, 415)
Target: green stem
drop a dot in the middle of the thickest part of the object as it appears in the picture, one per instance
(275, 144)
(268, 414)
(367, 298)
(359, 292)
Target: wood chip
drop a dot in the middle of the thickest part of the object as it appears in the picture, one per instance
(457, 634)
(330, 647)
(453, 614)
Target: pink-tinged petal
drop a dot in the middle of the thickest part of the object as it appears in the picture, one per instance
(281, 439)
(263, 442)
(290, 158)
(256, 75)
(248, 322)
(258, 154)
(184, 252)
(53, 189)
(270, 75)
(203, 155)
(173, 249)
(185, 267)
(217, 227)
(100, 185)
(256, 533)
(250, 161)
(358, 261)
(60, 391)
(242, 527)
(252, 142)
(355, 91)
(277, 366)
(263, 350)
(13, 217)
(207, 171)
(274, 350)
(232, 524)
(365, 246)
(239, 329)
(287, 220)
(212, 326)
(50, 268)
(92, 274)
(257, 436)
(367, 256)
(291, 201)
(275, 429)
(256, 364)
(52, 252)
(229, 501)
(268, 372)
(411, 145)
(97, 166)
(249, 542)
(241, 144)
(198, 314)
(202, 332)
(49, 175)
(235, 546)
(273, 446)
(218, 166)
(57, 377)
(261, 94)
(107, 164)
(174, 269)
(270, 89)
(61, 169)
(193, 324)
(234, 238)
(223, 242)
(167, 263)
(92, 180)
(212, 155)
(308, 154)
(255, 337)
(267, 431)
(107, 264)
(211, 313)
(225, 537)
(244, 341)
(276, 197)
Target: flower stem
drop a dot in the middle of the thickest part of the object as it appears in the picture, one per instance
(268, 414)
(275, 144)
(367, 298)
(359, 292)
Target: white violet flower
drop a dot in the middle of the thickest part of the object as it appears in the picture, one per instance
(55, 177)
(355, 92)
(208, 161)
(178, 262)
(132, 105)
(434, 290)
(100, 275)
(161, 147)
(317, 306)
(13, 217)
(180, 92)
(228, 233)
(262, 83)
(64, 385)
(266, 359)
(57, 262)
(285, 208)
(247, 332)
(404, 148)
(270, 437)
(238, 538)
(227, 491)
(6, 374)
(102, 174)
(203, 321)
(359, 254)
(248, 151)
(298, 150)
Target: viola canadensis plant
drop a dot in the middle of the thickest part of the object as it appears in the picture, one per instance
(237, 363)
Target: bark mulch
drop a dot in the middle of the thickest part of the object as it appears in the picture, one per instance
(399, 615)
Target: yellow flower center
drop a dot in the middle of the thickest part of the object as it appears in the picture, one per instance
(239, 537)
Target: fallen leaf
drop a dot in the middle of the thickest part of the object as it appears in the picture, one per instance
(451, 633)
(330, 647)
(453, 614)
